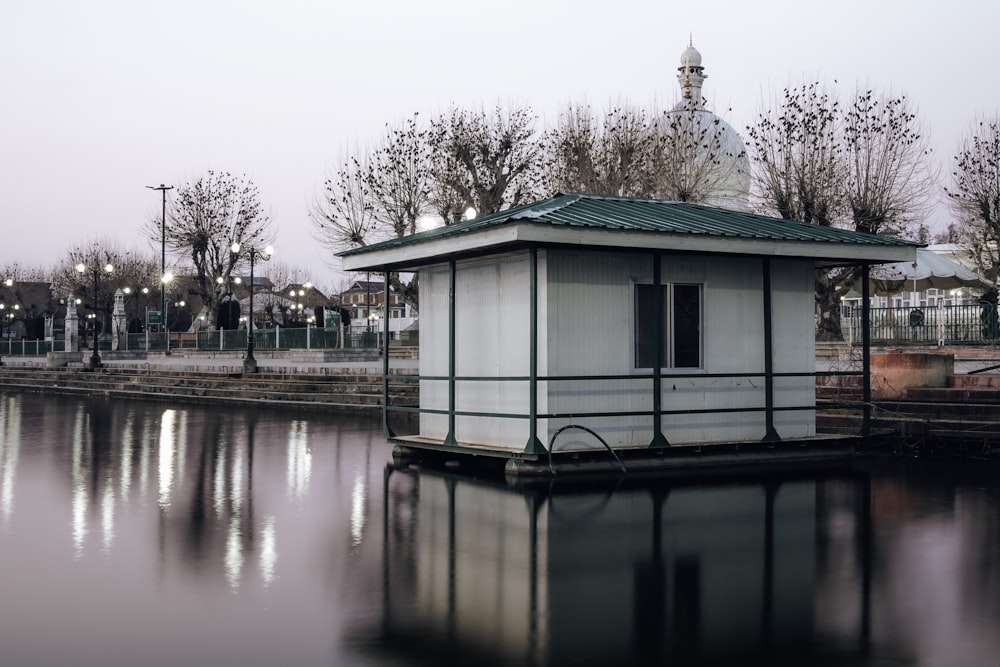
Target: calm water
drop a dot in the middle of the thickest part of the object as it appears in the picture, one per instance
(140, 534)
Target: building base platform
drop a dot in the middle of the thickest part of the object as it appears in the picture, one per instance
(681, 460)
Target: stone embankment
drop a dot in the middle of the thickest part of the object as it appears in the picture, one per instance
(961, 416)
(344, 387)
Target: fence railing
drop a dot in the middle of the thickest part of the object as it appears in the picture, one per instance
(10, 347)
(974, 324)
(310, 338)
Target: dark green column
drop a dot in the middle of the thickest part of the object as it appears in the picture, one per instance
(770, 434)
(386, 429)
(450, 439)
(866, 352)
(659, 440)
(534, 445)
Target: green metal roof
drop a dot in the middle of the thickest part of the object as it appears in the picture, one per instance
(644, 215)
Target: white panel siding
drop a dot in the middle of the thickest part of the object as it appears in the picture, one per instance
(590, 333)
(434, 349)
(794, 302)
(591, 308)
(492, 317)
(586, 328)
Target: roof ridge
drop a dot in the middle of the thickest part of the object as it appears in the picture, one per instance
(556, 203)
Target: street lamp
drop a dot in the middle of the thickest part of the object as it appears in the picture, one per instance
(165, 280)
(253, 254)
(9, 316)
(163, 246)
(177, 306)
(95, 271)
(8, 283)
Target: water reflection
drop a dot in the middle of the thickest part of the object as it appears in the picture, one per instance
(10, 445)
(139, 533)
(557, 575)
(134, 533)
(746, 572)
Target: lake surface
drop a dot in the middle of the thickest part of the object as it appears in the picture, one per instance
(137, 533)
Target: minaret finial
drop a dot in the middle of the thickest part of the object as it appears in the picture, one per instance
(691, 73)
(686, 86)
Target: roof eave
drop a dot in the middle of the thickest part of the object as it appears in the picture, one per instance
(435, 250)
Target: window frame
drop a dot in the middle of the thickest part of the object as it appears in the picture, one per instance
(670, 338)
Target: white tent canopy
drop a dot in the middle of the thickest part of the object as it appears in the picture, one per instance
(929, 271)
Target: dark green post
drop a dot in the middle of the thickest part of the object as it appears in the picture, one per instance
(385, 360)
(534, 446)
(659, 440)
(866, 353)
(450, 438)
(770, 434)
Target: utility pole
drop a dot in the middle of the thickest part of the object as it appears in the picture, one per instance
(163, 255)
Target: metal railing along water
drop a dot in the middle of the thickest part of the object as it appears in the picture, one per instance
(973, 324)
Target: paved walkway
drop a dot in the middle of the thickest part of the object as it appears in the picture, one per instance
(181, 364)
(966, 361)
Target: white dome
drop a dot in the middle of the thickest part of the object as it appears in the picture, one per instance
(690, 57)
(718, 164)
(721, 162)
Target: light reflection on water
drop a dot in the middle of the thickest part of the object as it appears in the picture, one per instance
(136, 533)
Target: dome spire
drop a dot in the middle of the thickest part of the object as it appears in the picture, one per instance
(691, 73)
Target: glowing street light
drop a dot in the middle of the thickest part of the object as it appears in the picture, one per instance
(95, 271)
(9, 282)
(253, 254)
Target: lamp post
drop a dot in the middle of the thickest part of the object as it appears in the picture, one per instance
(128, 292)
(164, 281)
(163, 249)
(95, 271)
(8, 283)
(177, 306)
(253, 254)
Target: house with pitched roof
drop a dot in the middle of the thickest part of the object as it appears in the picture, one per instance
(587, 323)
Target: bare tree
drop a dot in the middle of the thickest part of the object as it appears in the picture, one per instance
(489, 162)
(24, 297)
(343, 215)
(889, 174)
(15, 271)
(399, 177)
(399, 180)
(975, 195)
(204, 219)
(131, 269)
(796, 149)
(683, 154)
(865, 167)
(461, 160)
(698, 158)
(612, 155)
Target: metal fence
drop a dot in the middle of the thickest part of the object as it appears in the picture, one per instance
(305, 338)
(10, 347)
(975, 324)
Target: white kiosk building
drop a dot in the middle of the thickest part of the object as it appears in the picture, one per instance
(630, 325)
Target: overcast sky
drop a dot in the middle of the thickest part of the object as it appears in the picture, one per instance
(99, 99)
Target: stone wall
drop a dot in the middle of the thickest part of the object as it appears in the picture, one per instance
(894, 372)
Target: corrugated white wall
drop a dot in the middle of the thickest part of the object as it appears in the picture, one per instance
(434, 349)
(492, 340)
(586, 328)
(591, 298)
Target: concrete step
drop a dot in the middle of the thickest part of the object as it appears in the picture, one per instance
(970, 394)
(347, 392)
(971, 435)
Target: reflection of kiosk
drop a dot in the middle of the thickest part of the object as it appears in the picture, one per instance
(640, 574)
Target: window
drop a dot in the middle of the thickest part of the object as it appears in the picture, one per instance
(680, 345)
